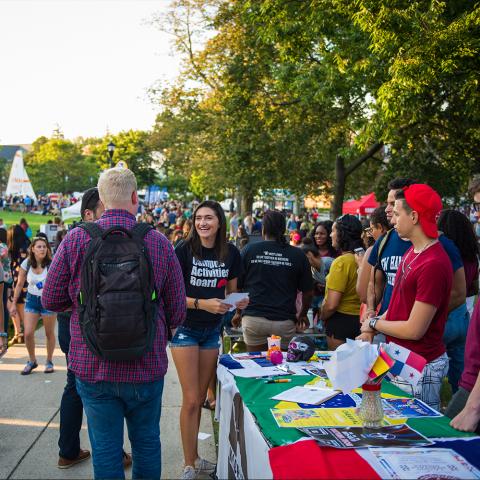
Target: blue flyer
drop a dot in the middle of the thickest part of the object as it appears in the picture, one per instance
(407, 408)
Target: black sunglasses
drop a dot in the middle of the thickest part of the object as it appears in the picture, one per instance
(476, 206)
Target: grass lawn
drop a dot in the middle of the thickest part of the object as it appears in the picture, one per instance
(12, 218)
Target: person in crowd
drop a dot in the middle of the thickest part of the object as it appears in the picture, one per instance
(187, 226)
(210, 267)
(234, 222)
(292, 223)
(18, 244)
(115, 391)
(464, 407)
(456, 226)
(340, 309)
(321, 235)
(71, 407)
(6, 285)
(379, 226)
(418, 308)
(248, 223)
(320, 268)
(273, 272)
(386, 256)
(176, 237)
(26, 228)
(295, 238)
(33, 271)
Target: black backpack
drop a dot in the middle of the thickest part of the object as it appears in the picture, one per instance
(117, 301)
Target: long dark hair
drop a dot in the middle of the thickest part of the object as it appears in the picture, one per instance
(31, 256)
(274, 226)
(327, 225)
(221, 246)
(349, 229)
(17, 240)
(457, 227)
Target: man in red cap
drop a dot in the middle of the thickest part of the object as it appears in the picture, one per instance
(418, 309)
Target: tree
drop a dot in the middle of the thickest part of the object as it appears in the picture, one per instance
(132, 147)
(58, 165)
(301, 95)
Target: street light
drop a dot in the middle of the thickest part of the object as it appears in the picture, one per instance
(111, 149)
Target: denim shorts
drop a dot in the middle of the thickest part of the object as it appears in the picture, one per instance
(33, 304)
(205, 338)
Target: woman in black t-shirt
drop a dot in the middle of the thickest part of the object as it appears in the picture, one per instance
(210, 269)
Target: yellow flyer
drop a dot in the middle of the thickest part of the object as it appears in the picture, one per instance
(316, 417)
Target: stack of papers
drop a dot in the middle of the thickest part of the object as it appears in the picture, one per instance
(309, 395)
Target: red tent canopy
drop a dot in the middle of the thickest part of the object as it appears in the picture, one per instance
(366, 205)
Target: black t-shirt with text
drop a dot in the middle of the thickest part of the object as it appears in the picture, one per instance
(206, 278)
(272, 275)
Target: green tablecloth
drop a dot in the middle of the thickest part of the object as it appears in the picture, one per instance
(256, 396)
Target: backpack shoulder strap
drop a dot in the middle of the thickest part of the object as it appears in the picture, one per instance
(382, 246)
(93, 230)
(141, 229)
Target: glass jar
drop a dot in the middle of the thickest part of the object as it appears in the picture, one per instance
(371, 408)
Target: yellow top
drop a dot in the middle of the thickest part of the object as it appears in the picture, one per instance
(343, 278)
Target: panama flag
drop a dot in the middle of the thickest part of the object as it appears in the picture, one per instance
(408, 365)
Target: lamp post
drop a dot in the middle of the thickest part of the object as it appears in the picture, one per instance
(111, 149)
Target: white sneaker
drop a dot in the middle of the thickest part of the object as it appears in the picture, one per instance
(188, 473)
(202, 465)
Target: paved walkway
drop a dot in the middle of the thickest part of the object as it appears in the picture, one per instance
(29, 421)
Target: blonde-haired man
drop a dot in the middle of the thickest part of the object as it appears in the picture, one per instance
(117, 188)
(113, 391)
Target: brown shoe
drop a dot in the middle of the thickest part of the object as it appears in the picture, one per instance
(127, 459)
(66, 463)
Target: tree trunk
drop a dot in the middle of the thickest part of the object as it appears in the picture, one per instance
(246, 204)
(339, 188)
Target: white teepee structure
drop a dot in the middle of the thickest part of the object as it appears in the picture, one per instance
(18, 181)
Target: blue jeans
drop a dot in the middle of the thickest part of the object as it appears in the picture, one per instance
(106, 405)
(454, 340)
(71, 406)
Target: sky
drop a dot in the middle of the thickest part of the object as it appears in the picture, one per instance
(85, 65)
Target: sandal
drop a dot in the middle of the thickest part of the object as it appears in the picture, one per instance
(48, 368)
(28, 368)
(209, 405)
(4, 346)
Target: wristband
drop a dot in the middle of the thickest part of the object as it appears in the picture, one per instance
(195, 303)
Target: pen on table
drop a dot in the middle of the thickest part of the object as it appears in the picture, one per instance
(279, 380)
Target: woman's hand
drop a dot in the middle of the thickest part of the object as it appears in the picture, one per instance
(242, 304)
(214, 305)
(366, 337)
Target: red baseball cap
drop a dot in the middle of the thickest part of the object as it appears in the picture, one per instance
(427, 203)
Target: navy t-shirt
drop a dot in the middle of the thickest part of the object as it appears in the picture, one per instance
(206, 278)
(392, 255)
(273, 273)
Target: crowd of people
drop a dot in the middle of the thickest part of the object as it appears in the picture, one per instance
(408, 274)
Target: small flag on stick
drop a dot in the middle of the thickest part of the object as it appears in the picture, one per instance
(382, 365)
(408, 365)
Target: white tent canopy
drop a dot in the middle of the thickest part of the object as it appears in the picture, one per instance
(18, 181)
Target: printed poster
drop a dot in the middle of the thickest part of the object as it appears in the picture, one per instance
(316, 417)
(358, 437)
